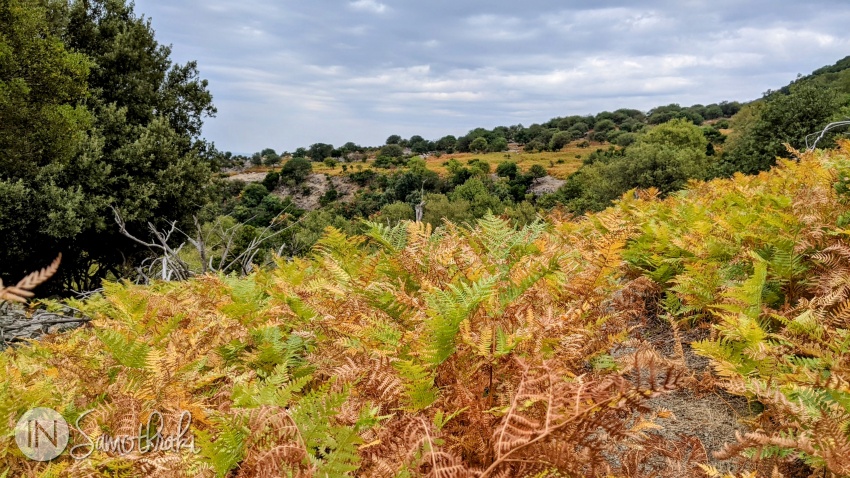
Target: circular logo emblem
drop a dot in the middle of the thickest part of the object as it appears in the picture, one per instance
(41, 434)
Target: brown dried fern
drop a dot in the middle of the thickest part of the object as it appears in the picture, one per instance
(22, 291)
(552, 423)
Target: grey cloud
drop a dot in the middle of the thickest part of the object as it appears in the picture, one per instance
(289, 73)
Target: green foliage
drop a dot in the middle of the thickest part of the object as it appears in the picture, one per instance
(271, 180)
(269, 156)
(448, 309)
(296, 170)
(228, 449)
(125, 351)
(320, 151)
(664, 158)
(391, 150)
(42, 130)
(331, 163)
(760, 258)
(116, 124)
(779, 119)
(478, 145)
(507, 169)
(396, 212)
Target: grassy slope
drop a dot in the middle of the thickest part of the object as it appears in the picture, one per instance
(559, 164)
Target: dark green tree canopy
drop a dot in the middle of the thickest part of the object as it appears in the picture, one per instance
(117, 124)
(778, 119)
(320, 151)
(296, 170)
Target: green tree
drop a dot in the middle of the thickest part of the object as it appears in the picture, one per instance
(392, 214)
(271, 180)
(559, 140)
(604, 126)
(779, 119)
(446, 144)
(134, 145)
(439, 207)
(391, 150)
(497, 145)
(320, 151)
(537, 171)
(479, 198)
(43, 85)
(478, 145)
(148, 118)
(296, 170)
(507, 169)
(270, 157)
(666, 157)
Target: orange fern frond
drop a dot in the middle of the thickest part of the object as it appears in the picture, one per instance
(22, 291)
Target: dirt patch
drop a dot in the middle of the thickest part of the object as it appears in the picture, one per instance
(701, 409)
(545, 185)
(247, 177)
(307, 195)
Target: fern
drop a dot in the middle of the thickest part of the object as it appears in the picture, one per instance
(393, 238)
(228, 449)
(22, 291)
(418, 384)
(127, 352)
(447, 309)
(332, 448)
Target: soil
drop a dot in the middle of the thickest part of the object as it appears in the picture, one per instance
(248, 177)
(545, 185)
(306, 195)
(700, 409)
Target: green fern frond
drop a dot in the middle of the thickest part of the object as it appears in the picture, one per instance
(226, 449)
(278, 389)
(418, 384)
(447, 309)
(127, 352)
(332, 448)
(392, 238)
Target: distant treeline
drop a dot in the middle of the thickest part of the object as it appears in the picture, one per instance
(619, 127)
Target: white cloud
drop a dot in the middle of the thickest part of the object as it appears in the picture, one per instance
(288, 74)
(369, 5)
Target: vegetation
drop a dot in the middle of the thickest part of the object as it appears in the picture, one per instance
(485, 350)
(115, 124)
(477, 305)
(664, 158)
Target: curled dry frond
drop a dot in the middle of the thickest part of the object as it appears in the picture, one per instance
(22, 291)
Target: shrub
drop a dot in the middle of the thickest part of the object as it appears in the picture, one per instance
(296, 170)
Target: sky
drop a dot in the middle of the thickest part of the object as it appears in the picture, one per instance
(290, 73)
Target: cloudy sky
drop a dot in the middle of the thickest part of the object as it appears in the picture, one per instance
(289, 73)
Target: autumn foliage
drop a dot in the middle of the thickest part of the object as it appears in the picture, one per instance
(479, 350)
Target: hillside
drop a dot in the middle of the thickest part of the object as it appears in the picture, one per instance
(489, 350)
(658, 293)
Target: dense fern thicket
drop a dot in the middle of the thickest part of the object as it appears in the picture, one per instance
(478, 351)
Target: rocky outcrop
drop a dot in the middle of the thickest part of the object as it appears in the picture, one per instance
(545, 185)
(18, 324)
(306, 195)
